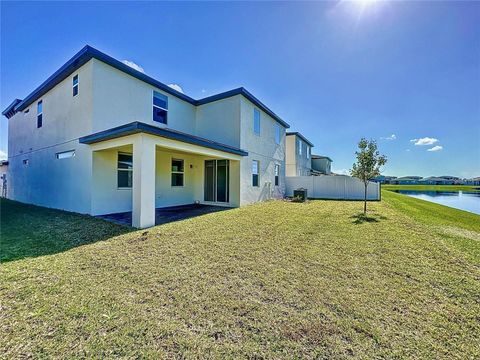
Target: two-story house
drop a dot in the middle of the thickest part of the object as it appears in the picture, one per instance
(100, 137)
(298, 160)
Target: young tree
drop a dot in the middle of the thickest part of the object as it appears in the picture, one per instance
(368, 164)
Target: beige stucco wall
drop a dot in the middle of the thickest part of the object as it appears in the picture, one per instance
(120, 99)
(108, 98)
(220, 121)
(264, 149)
(47, 181)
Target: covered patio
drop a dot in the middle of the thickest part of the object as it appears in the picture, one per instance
(138, 168)
(166, 215)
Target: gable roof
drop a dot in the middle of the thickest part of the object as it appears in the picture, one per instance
(139, 127)
(87, 53)
(300, 136)
(246, 94)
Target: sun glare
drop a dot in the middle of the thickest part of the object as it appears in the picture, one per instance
(364, 3)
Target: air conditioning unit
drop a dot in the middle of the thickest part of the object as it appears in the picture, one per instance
(300, 194)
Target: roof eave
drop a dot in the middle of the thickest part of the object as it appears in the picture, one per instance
(296, 133)
(138, 127)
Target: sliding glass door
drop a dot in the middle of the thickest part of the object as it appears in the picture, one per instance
(217, 175)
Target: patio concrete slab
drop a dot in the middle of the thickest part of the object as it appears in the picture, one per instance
(166, 215)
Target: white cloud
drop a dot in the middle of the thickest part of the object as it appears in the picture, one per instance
(424, 141)
(176, 87)
(134, 66)
(391, 137)
(3, 155)
(436, 148)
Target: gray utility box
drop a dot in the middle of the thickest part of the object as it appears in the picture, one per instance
(300, 194)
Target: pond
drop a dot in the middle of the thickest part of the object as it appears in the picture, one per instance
(463, 200)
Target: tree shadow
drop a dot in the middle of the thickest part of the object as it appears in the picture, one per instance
(361, 218)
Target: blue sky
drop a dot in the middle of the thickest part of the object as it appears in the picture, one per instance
(336, 71)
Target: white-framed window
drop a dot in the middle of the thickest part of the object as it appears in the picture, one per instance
(299, 146)
(124, 171)
(65, 154)
(160, 107)
(277, 174)
(75, 85)
(278, 134)
(39, 114)
(178, 172)
(308, 152)
(255, 173)
(256, 121)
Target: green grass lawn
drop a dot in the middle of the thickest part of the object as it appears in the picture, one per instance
(271, 280)
(432, 187)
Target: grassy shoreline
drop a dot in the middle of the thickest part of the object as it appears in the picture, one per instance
(270, 280)
(431, 187)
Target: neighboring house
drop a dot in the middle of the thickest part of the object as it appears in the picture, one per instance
(432, 180)
(321, 165)
(384, 179)
(298, 160)
(3, 178)
(406, 180)
(100, 137)
(472, 181)
(454, 179)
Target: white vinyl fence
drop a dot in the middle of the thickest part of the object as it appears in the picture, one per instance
(332, 187)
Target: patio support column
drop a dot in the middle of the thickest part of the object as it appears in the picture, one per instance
(143, 192)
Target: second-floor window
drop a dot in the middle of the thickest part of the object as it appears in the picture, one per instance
(39, 114)
(299, 146)
(160, 107)
(255, 176)
(278, 134)
(307, 152)
(75, 85)
(256, 121)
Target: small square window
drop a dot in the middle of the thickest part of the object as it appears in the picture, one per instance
(25, 162)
